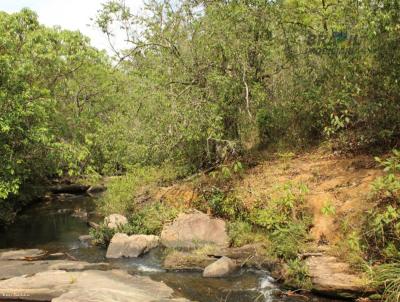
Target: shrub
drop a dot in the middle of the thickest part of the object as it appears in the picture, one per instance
(242, 233)
(284, 207)
(382, 227)
(121, 191)
(151, 218)
(297, 275)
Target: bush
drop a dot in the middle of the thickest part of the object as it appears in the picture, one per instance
(382, 227)
(151, 218)
(287, 242)
(297, 275)
(242, 233)
(121, 191)
(148, 220)
(285, 206)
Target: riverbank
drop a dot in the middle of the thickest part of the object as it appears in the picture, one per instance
(308, 212)
(293, 218)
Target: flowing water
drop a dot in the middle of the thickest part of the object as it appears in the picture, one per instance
(56, 225)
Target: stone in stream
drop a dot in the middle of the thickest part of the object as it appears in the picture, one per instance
(27, 254)
(115, 221)
(122, 245)
(93, 285)
(86, 239)
(330, 276)
(194, 230)
(220, 268)
(186, 261)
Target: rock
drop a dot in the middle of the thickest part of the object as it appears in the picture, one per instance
(194, 230)
(177, 260)
(28, 254)
(96, 189)
(80, 214)
(93, 225)
(10, 269)
(86, 239)
(73, 266)
(114, 221)
(250, 255)
(56, 255)
(220, 268)
(332, 277)
(96, 286)
(122, 245)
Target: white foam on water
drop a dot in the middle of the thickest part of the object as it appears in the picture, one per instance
(149, 269)
(267, 286)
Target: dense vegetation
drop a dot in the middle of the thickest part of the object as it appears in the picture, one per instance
(202, 84)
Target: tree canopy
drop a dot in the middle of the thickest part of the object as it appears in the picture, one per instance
(203, 81)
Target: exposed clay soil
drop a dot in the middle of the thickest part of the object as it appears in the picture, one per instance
(344, 183)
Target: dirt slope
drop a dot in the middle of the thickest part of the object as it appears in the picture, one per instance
(341, 182)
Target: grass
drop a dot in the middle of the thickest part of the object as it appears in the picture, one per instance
(297, 275)
(121, 191)
(387, 276)
(147, 220)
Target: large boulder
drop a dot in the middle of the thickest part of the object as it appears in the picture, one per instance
(220, 268)
(93, 285)
(115, 221)
(194, 230)
(122, 245)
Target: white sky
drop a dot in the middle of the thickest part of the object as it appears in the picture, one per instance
(69, 14)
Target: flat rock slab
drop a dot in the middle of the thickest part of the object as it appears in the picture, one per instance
(10, 269)
(194, 230)
(28, 254)
(333, 277)
(122, 245)
(94, 286)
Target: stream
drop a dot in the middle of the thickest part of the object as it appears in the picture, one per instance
(55, 226)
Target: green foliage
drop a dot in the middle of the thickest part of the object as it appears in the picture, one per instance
(386, 276)
(382, 229)
(151, 218)
(122, 190)
(221, 204)
(328, 209)
(102, 235)
(242, 233)
(148, 219)
(297, 275)
(282, 208)
(288, 241)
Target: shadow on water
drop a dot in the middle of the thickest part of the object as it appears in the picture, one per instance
(56, 225)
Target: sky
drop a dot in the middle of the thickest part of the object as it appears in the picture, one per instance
(69, 14)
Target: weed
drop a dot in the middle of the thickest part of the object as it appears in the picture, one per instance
(241, 233)
(387, 276)
(328, 209)
(297, 274)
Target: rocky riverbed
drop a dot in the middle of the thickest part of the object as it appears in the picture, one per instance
(47, 256)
